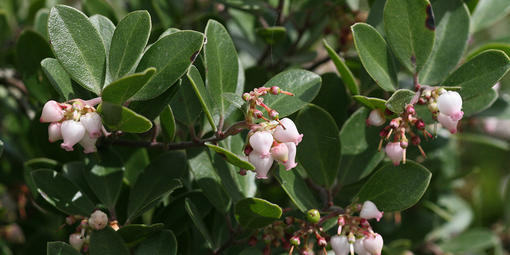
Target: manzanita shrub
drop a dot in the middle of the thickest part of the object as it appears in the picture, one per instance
(254, 127)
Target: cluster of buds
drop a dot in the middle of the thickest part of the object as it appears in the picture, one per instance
(272, 139)
(355, 235)
(446, 106)
(97, 220)
(74, 122)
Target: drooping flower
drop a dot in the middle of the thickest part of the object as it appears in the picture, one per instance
(359, 247)
(340, 245)
(262, 164)
(72, 133)
(287, 134)
(447, 122)
(450, 103)
(369, 211)
(261, 142)
(51, 112)
(76, 241)
(54, 132)
(98, 220)
(291, 162)
(376, 118)
(88, 143)
(280, 152)
(394, 152)
(92, 122)
(373, 244)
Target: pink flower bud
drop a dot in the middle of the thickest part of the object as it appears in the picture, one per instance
(51, 112)
(72, 133)
(262, 164)
(291, 161)
(98, 220)
(54, 132)
(321, 242)
(273, 114)
(359, 247)
(370, 211)
(339, 244)
(449, 103)
(447, 122)
(376, 118)
(289, 134)
(76, 240)
(280, 152)
(261, 142)
(394, 152)
(92, 122)
(88, 144)
(274, 90)
(373, 244)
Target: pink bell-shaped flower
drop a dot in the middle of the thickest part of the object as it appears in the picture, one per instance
(369, 211)
(72, 133)
(289, 134)
(54, 132)
(261, 142)
(340, 245)
(98, 220)
(51, 112)
(76, 241)
(394, 152)
(280, 152)
(376, 118)
(262, 164)
(88, 144)
(92, 123)
(450, 103)
(359, 247)
(291, 161)
(447, 122)
(373, 244)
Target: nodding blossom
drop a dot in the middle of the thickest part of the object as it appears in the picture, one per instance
(52, 112)
(376, 118)
(280, 152)
(262, 164)
(54, 132)
(373, 244)
(261, 142)
(288, 132)
(449, 104)
(395, 152)
(76, 241)
(92, 123)
(359, 247)
(72, 132)
(98, 220)
(369, 211)
(340, 244)
(291, 162)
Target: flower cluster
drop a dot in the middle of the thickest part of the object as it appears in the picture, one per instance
(97, 220)
(355, 235)
(273, 139)
(74, 122)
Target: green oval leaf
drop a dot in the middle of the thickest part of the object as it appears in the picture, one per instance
(106, 183)
(59, 78)
(487, 12)
(118, 117)
(167, 120)
(135, 233)
(107, 242)
(41, 22)
(153, 107)
(319, 152)
(371, 102)
(253, 213)
(396, 188)
(194, 214)
(78, 47)
(271, 35)
(397, 102)
(479, 102)
(106, 28)
(124, 88)
(128, 42)
(162, 243)
(295, 187)
(60, 248)
(202, 93)
(505, 47)
(231, 157)
(185, 105)
(375, 56)
(342, 69)
(474, 240)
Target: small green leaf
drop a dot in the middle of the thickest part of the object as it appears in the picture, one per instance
(106, 28)
(487, 12)
(479, 102)
(397, 102)
(78, 46)
(107, 242)
(118, 117)
(474, 240)
(272, 35)
(106, 183)
(505, 47)
(396, 188)
(186, 105)
(60, 248)
(221, 64)
(410, 30)
(133, 234)
(305, 85)
(31, 48)
(128, 42)
(167, 120)
(231, 157)
(61, 192)
(202, 93)
(124, 88)
(194, 214)
(334, 98)
(295, 186)
(352, 135)
(41, 22)
(375, 56)
(342, 69)
(102, 7)
(371, 102)
(162, 243)
(171, 56)
(452, 32)
(253, 213)
(153, 107)
(59, 78)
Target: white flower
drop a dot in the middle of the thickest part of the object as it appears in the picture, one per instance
(280, 152)
(373, 244)
(448, 123)
(359, 247)
(92, 122)
(394, 152)
(340, 245)
(376, 118)
(54, 132)
(369, 211)
(261, 142)
(72, 133)
(262, 164)
(291, 161)
(51, 112)
(76, 240)
(88, 144)
(450, 103)
(289, 134)
(98, 220)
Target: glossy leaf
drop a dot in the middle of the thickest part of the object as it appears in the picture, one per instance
(305, 85)
(59, 78)
(221, 64)
(61, 193)
(342, 69)
(396, 188)
(487, 12)
(296, 188)
(118, 117)
(253, 213)
(124, 88)
(135, 233)
(397, 102)
(167, 120)
(78, 46)
(60, 248)
(410, 30)
(106, 183)
(371, 102)
(185, 104)
(162, 243)
(452, 32)
(128, 43)
(202, 94)
(375, 56)
(194, 214)
(319, 152)
(107, 242)
(171, 56)
(231, 157)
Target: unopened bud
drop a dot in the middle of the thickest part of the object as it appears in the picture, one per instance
(404, 144)
(76, 241)
(246, 96)
(395, 123)
(422, 101)
(419, 124)
(258, 114)
(415, 140)
(376, 118)
(432, 107)
(252, 241)
(313, 215)
(321, 242)
(410, 109)
(273, 114)
(98, 220)
(295, 241)
(274, 90)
